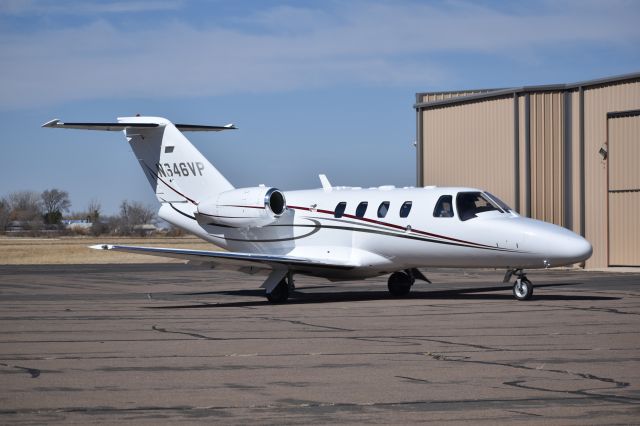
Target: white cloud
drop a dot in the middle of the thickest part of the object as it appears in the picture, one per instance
(283, 48)
(79, 7)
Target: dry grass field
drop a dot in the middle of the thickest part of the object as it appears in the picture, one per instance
(75, 250)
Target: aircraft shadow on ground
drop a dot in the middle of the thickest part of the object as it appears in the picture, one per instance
(300, 297)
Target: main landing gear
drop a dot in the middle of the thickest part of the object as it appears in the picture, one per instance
(522, 287)
(280, 293)
(400, 282)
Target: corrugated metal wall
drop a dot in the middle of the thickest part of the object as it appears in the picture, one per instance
(522, 160)
(483, 132)
(547, 156)
(598, 101)
(624, 229)
(470, 144)
(576, 217)
(624, 190)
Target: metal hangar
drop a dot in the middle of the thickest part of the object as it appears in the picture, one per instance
(568, 154)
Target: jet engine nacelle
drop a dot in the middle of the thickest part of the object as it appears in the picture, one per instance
(244, 207)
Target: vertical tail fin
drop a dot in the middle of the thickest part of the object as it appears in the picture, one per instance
(176, 170)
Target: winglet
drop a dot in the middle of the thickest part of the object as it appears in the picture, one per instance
(326, 185)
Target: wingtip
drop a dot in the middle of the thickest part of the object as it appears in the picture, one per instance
(101, 247)
(51, 123)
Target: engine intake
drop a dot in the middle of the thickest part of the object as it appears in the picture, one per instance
(244, 207)
(274, 200)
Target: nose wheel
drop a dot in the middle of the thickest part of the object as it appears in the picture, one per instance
(522, 287)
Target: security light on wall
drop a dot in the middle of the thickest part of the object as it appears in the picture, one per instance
(603, 151)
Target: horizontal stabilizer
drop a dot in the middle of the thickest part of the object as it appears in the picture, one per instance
(113, 127)
(176, 171)
(110, 127)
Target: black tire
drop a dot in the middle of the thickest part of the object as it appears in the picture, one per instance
(399, 284)
(522, 289)
(280, 294)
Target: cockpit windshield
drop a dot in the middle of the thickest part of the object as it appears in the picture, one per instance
(499, 202)
(470, 204)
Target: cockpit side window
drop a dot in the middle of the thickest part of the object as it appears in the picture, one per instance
(383, 209)
(405, 208)
(361, 209)
(469, 204)
(339, 210)
(444, 207)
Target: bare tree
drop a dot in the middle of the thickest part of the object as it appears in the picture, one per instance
(98, 225)
(133, 214)
(93, 211)
(54, 202)
(25, 206)
(174, 231)
(5, 211)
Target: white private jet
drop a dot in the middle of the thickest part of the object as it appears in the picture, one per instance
(339, 233)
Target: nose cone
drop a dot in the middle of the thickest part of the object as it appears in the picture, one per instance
(557, 245)
(570, 249)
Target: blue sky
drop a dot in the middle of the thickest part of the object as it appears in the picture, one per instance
(313, 86)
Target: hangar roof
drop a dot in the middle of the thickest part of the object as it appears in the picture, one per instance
(479, 94)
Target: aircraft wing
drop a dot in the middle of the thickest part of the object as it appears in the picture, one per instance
(231, 260)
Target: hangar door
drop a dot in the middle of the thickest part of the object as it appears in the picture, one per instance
(624, 188)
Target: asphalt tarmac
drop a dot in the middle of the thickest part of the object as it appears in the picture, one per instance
(148, 344)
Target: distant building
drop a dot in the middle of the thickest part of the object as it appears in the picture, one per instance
(16, 226)
(77, 223)
(146, 229)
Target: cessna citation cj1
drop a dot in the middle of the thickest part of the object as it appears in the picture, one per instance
(339, 233)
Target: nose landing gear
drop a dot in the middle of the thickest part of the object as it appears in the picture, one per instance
(522, 287)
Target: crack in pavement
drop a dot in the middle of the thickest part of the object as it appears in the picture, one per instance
(196, 335)
(295, 322)
(581, 392)
(451, 404)
(525, 413)
(468, 345)
(413, 379)
(607, 310)
(34, 372)
(391, 340)
(518, 383)
(202, 336)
